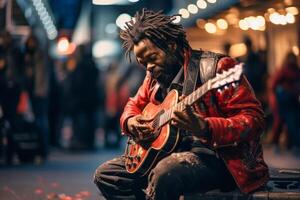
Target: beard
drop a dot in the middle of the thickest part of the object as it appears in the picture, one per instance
(171, 68)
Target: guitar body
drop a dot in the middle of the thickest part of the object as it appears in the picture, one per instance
(140, 158)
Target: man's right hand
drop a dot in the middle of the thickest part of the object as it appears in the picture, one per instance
(140, 128)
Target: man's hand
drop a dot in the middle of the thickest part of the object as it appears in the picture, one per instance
(140, 128)
(190, 120)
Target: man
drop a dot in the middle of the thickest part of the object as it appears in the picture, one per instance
(219, 147)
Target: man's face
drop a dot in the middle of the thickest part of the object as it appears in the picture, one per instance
(160, 64)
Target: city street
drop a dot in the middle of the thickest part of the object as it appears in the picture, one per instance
(69, 176)
(65, 176)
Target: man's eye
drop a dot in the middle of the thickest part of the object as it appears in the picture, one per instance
(152, 57)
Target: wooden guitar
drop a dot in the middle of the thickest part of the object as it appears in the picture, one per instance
(141, 157)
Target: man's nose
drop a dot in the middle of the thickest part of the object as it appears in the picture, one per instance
(150, 67)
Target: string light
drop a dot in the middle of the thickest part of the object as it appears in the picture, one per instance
(184, 13)
(192, 8)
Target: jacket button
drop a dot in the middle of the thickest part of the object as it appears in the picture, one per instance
(215, 144)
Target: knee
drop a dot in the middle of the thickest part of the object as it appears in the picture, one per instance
(161, 175)
(161, 182)
(98, 175)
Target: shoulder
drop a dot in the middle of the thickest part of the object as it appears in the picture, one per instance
(225, 63)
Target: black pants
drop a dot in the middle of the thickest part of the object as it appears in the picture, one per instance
(177, 174)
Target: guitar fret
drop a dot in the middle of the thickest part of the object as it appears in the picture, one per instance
(190, 100)
(161, 119)
(181, 105)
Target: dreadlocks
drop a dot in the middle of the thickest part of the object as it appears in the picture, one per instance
(157, 27)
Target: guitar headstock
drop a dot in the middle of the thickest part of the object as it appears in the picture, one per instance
(227, 77)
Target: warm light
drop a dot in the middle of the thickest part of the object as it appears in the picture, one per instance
(282, 20)
(192, 8)
(260, 21)
(201, 4)
(122, 19)
(290, 18)
(295, 50)
(211, 1)
(63, 44)
(184, 13)
(222, 24)
(288, 2)
(237, 50)
(200, 23)
(210, 27)
(275, 18)
(232, 19)
(262, 28)
(243, 25)
(271, 10)
(177, 19)
(292, 10)
(64, 47)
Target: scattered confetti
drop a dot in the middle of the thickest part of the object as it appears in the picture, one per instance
(39, 191)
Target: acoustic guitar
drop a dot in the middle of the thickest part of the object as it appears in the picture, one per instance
(140, 157)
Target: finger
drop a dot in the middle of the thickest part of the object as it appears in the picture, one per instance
(143, 119)
(181, 124)
(145, 127)
(136, 132)
(180, 115)
(191, 113)
(181, 97)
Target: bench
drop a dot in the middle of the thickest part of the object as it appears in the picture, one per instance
(284, 184)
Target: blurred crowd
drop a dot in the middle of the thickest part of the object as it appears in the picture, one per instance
(279, 94)
(72, 103)
(67, 102)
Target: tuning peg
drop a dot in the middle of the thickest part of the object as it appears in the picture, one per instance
(226, 87)
(233, 85)
(219, 91)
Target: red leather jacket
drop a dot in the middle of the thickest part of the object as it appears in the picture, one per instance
(235, 119)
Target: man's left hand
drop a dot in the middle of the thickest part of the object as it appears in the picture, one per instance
(190, 120)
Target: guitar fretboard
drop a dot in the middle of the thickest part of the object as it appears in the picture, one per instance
(188, 100)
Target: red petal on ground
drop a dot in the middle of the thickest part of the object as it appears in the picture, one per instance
(39, 191)
(54, 184)
(85, 193)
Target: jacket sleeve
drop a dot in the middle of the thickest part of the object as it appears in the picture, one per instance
(136, 104)
(242, 116)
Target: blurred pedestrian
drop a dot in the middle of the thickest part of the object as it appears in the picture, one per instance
(254, 69)
(285, 102)
(36, 80)
(82, 98)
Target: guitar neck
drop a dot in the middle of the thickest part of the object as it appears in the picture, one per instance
(221, 79)
(187, 101)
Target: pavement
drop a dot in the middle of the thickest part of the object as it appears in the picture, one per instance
(65, 176)
(69, 176)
